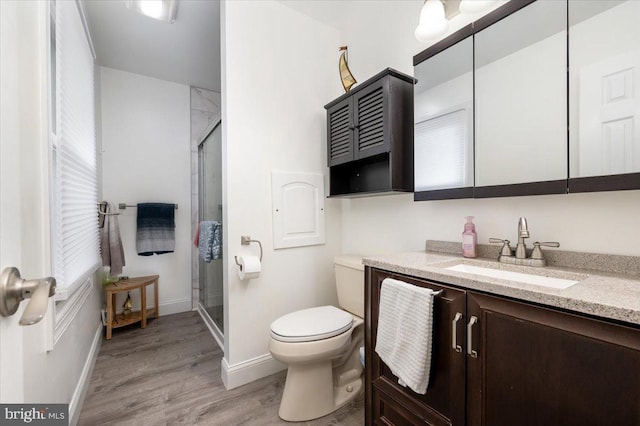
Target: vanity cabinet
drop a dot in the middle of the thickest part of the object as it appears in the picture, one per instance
(521, 364)
(370, 136)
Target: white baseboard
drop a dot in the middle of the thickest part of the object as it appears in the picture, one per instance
(75, 405)
(247, 371)
(174, 306)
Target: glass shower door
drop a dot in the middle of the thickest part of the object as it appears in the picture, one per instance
(210, 208)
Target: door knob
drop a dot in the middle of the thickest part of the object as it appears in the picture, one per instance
(14, 290)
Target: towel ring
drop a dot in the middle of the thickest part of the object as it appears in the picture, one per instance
(245, 240)
(104, 213)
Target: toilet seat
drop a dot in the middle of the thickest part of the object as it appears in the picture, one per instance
(311, 324)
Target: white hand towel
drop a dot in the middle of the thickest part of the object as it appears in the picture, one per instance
(405, 329)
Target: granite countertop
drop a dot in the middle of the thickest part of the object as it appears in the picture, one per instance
(601, 294)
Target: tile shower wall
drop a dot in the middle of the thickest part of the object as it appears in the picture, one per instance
(205, 111)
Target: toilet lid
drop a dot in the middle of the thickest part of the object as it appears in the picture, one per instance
(311, 324)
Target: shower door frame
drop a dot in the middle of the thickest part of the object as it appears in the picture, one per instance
(215, 330)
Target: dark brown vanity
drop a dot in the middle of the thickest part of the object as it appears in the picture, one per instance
(500, 361)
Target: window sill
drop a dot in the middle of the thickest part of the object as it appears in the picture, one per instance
(65, 293)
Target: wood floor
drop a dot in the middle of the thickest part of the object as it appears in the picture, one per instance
(169, 374)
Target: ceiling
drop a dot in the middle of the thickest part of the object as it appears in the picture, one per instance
(186, 52)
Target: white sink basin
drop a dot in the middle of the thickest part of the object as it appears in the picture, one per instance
(559, 283)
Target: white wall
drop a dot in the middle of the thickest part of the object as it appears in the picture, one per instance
(146, 157)
(598, 222)
(279, 70)
(380, 33)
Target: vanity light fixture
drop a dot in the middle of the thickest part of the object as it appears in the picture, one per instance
(162, 10)
(433, 22)
(435, 14)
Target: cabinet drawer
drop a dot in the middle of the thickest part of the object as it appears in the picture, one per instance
(388, 411)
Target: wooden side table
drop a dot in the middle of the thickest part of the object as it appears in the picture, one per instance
(140, 283)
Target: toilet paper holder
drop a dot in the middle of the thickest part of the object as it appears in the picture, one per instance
(245, 240)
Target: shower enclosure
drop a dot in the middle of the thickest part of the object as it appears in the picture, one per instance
(211, 303)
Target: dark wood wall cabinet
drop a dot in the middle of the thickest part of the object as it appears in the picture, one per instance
(370, 137)
(497, 361)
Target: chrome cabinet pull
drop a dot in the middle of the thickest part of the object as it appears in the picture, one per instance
(473, 320)
(454, 332)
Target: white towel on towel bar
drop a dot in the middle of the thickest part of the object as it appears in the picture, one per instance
(405, 329)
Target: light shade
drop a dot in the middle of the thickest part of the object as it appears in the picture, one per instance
(162, 10)
(475, 6)
(432, 23)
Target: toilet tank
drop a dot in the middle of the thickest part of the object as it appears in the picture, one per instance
(349, 272)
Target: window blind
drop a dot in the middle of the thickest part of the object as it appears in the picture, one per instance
(76, 244)
(442, 152)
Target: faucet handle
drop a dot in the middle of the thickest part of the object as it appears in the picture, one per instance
(537, 251)
(506, 248)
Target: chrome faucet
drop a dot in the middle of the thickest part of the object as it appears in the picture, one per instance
(520, 256)
(523, 232)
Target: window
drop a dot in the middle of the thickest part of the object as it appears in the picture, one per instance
(75, 242)
(443, 152)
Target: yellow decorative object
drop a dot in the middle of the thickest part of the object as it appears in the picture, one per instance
(126, 307)
(345, 74)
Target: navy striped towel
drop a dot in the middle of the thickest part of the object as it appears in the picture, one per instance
(156, 229)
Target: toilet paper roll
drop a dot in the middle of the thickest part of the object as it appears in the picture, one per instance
(249, 267)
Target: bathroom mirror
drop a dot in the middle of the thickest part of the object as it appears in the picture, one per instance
(521, 102)
(443, 122)
(604, 93)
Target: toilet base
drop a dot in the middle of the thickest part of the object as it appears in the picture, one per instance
(309, 392)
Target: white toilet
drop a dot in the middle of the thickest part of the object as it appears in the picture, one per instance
(321, 346)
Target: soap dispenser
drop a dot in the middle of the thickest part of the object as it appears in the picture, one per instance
(469, 238)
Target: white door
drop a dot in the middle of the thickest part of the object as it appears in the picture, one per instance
(22, 168)
(11, 344)
(609, 130)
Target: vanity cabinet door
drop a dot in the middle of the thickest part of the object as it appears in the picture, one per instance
(443, 404)
(538, 366)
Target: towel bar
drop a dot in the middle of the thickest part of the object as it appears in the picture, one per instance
(123, 206)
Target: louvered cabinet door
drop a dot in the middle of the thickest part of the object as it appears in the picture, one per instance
(371, 120)
(340, 133)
